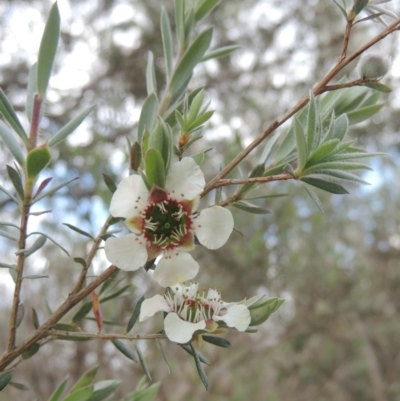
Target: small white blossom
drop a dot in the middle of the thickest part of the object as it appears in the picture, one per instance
(189, 312)
(164, 222)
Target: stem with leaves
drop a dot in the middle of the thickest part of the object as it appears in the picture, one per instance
(319, 88)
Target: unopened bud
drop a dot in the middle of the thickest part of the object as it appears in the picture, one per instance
(135, 156)
(373, 67)
(260, 310)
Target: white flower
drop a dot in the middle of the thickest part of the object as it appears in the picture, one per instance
(163, 221)
(189, 312)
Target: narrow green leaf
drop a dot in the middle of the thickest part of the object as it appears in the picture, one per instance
(341, 127)
(78, 230)
(5, 234)
(344, 175)
(313, 196)
(55, 189)
(103, 389)
(32, 350)
(336, 166)
(257, 171)
(188, 349)
(135, 315)
(155, 168)
(51, 239)
(190, 59)
(116, 293)
(327, 186)
(250, 208)
(370, 17)
(343, 11)
(31, 92)
(38, 159)
(40, 213)
(19, 386)
(321, 152)
(82, 394)
(312, 140)
(355, 155)
(9, 114)
(13, 274)
(359, 5)
(85, 379)
(109, 281)
(7, 266)
(267, 196)
(379, 87)
(58, 391)
(20, 314)
(360, 115)
(146, 394)
(11, 143)
(164, 354)
(204, 8)
(180, 21)
(110, 183)
(199, 367)
(65, 327)
(5, 378)
(39, 242)
(195, 106)
(34, 277)
(370, 100)
(13, 198)
(286, 147)
(151, 82)
(69, 128)
(167, 41)
(301, 145)
(143, 363)
(120, 346)
(47, 50)
(268, 147)
(218, 341)
(201, 120)
(82, 312)
(16, 181)
(148, 116)
(220, 52)
(81, 261)
(35, 319)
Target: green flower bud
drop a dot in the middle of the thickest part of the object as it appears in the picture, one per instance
(261, 309)
(373, 67)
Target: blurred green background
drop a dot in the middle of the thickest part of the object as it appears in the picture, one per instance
(337, 335)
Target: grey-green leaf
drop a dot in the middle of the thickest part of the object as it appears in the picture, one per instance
(301, 145)
(5, 378)
(135, 315)
(58, 391)
(362, 114)
(9, 114)
(313, 196)
(39, 242)
(151, 82)
(220, 52)
(199, 367)
(190, 59)
(55, 189)
(250, 208)
(70, 127)
(148, 115)
(120, 346)
(155, 168)
(143, 363)
(204, 8)
(167, 41)
(78, 230)
(380, 87)
(86, 379)
(47, 50)
(16, 181)
(216, 340)
(327, 186)
(12, 144)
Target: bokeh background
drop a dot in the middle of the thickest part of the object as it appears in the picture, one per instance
(337, 336)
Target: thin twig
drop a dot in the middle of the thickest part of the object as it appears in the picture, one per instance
(92, 253)
(319, 88)
(346, 38)
(357, 82)
(103, 336)
(18, 281)
(67, 305)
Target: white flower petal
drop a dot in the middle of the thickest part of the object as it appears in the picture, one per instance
(237, 316)
(153, 305)
(172, 269)
(213, 226)
(185, 179)
(130, 198)
(127, 252)
(181, 331)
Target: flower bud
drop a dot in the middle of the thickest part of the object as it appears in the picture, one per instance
(135, 156)
(260, 310)
(373, 67)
